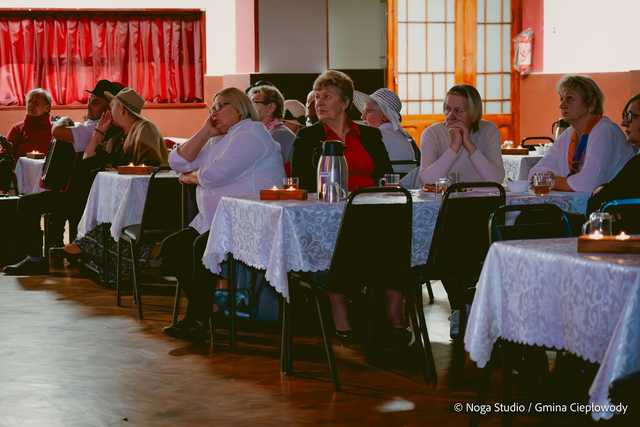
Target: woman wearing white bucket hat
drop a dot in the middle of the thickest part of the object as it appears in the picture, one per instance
(381, 110)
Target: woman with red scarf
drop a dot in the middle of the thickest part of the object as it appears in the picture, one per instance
(34, 132)
(593, 150)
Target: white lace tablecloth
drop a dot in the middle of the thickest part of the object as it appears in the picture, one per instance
(283, 236)
(28, 173)
(116, 199)
(543, 292)
(518, 167)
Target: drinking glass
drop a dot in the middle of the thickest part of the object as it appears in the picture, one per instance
(390, 180)
(454, 177)
(542, 183)
(441, 186)
(291, 182)
(599, 224)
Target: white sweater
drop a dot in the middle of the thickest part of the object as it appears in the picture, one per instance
(607, 152)
(438, 160)
(240, 163)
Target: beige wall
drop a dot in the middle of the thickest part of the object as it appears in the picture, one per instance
(357, 34)
(539, 100)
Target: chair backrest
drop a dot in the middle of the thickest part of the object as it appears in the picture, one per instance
(626, 212)
(413, 163)
(374, 240)
(528, 142)
(460, 242)
(162, 206)
(534, 221)
(58, 167)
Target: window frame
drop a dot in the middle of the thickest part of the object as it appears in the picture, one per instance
(464, 65)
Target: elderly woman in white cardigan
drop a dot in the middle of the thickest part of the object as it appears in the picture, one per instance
(231, 155)
(463, 145)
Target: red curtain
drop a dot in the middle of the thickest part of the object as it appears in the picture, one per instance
(158, 55)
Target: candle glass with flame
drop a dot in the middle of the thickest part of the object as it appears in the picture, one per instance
(291, 183)
(600, 224)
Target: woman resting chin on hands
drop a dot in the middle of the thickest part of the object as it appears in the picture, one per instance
(462, 145)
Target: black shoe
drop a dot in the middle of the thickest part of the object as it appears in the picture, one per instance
(59, 253)
(345, 336)
(190, 330)
(178, 329)
(401, 337)
(27, 267)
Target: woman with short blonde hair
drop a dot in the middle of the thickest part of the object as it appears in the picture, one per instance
(231, 155)
(464, 146)
(593, 149)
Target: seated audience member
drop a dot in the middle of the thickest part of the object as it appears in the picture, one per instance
(367, 159)
(142, 144)
(626, 182)
(464, 145)
(312, 117)
(231, 155)
(365, 153)
(6, 165)
(593, 149)
(294, 115)
(79, 134)
(269, 104)
(34, 132)
(381, 110)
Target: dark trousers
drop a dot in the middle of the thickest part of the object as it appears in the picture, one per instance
(456, 293)
(182, 257)
(31, 207)
(6, 172)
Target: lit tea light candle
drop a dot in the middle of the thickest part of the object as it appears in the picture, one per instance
(274, 188)
(292, 188)
(131, 164)
(623, 236)
(596, 235)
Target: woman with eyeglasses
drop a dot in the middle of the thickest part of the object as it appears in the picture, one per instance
(625, 184)
(463, 145)
(269, 104)
(593, 149)
(231, 155)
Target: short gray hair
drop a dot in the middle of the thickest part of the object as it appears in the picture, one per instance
(271, 95)
(43, 93)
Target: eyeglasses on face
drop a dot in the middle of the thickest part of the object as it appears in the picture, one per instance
(456, 111)
(218, 106)
(629, 115)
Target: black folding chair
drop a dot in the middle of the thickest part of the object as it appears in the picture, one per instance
(161, 217)
(531, 146)
(460, 242)
(626, 213)
(373, 249)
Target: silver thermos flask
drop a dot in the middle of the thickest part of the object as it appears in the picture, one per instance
(333, 172)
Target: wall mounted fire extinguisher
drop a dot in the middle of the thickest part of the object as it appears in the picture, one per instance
(523, 44)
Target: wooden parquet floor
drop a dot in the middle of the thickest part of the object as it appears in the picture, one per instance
(70, 357)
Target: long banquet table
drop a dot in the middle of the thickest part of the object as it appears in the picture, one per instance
(545, 293)
(283, 236)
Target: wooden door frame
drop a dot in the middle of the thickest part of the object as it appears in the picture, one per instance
(465, 60)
